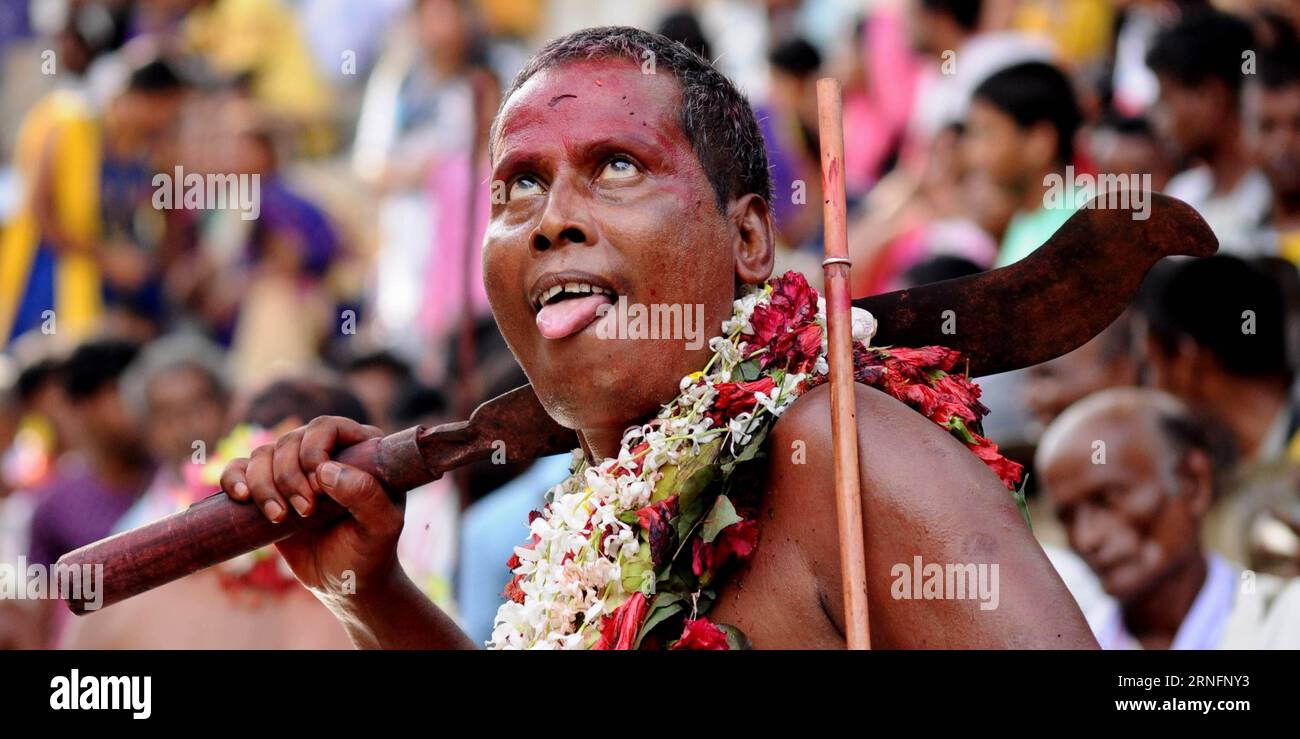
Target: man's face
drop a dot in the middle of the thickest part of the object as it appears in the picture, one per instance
(1129, 154)
(1189, 114)
(993, 149)
(921, 23)
(602, 187)
(1054, 386)
(108, 424)
(184, 407)
(1119, 509)
(1274, 117)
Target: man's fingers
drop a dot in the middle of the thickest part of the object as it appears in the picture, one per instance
(261, 481)
(288, 476)
(232, 479)
(327, 433)
(375, 513)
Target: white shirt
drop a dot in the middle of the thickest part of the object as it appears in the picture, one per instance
(1236, 217)
(1234, 609)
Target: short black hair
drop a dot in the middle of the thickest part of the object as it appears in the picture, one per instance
(965, 12)
(683, 27)
(96, 365)
(1206, 300)
(1036, 92)
(37, 376)
(1279, 67)
(795, 56)
(715, 117)
(155, 76)
(416, 401)
(381, 360)
(1206, 45)
(304, 399)
(1126, 125)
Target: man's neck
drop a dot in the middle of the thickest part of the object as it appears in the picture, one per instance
(1155, 617)
(117, 471)
(1250, 411)
(1033, 194)
(599, 444)
(1286, 210)
(1227, 160)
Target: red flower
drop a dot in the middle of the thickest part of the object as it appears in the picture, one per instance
(794, 297)
(656, 521)
(735, 398)
(736, 543)
(702, 634)
(926, 357)
(513, 591)
(1010, 472)
(618, 630)
(784, 325)
(937, 406)
(795, 350)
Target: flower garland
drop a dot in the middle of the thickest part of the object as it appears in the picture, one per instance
(628, 553)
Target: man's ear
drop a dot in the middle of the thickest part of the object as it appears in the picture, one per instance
(1190, 365)
(1197, 473)
(753, 239)
(1040, 145)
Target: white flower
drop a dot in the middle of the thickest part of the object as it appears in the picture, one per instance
(572, 573)
(864, 325)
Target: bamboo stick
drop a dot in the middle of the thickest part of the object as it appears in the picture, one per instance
(839, 326)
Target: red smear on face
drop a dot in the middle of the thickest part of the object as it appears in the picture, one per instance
(594, 194)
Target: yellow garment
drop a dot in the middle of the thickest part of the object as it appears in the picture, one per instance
(261, 38)
(62, 124)
(1081, 29)
(1288, 246)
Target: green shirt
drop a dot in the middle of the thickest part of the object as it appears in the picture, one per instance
(1028, 230)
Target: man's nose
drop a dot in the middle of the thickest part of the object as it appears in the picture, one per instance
(1089, 530)
(566, 220)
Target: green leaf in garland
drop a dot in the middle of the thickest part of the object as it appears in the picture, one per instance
(752, 450)
(665, 606)
(736, 638)
(722, 515)
(1018, 495)
(638, 572)
(958, 429)
(746, 371)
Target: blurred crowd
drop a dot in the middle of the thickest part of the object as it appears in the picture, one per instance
(145, 343)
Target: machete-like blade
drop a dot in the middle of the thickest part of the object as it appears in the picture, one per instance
(1052, 301)
(1033, 311)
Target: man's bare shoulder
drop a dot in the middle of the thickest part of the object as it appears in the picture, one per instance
(892, 441)
(924, 495)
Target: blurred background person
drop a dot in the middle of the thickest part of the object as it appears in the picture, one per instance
(1199, 65)
(1135, 519)
(49, 248)
(1272, 111)
(252, 601)
(103, 474)
(1021, 129)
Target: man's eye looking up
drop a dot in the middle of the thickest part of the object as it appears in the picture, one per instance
(619, 168)
(524, 186)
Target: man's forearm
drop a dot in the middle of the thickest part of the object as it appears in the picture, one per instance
(397, 615)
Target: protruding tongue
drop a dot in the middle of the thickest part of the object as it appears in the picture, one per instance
(567, 317)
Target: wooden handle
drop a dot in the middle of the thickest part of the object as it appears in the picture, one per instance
(218, 528)
(839, 329)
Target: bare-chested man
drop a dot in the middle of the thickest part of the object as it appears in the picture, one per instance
(652, 182)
